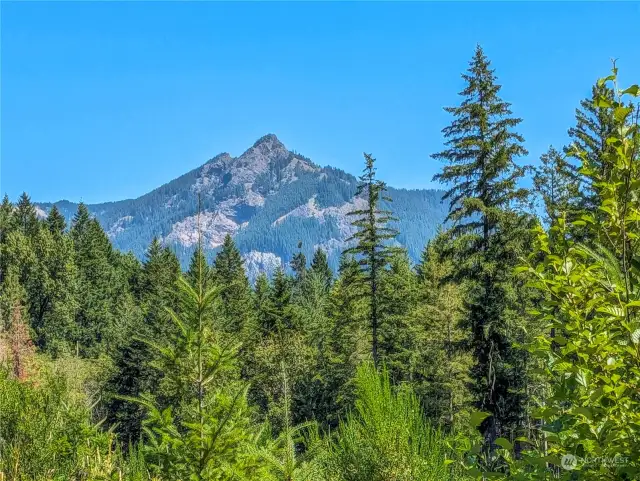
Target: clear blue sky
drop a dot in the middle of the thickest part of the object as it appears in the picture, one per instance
(105, 101)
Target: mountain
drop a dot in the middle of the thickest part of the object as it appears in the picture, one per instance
(269, 199)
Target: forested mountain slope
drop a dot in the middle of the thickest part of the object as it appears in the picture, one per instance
(269, 199)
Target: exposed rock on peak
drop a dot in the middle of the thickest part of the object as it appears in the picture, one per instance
(269, 199)
(268, 140)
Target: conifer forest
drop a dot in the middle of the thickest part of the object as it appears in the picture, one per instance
(511, 351)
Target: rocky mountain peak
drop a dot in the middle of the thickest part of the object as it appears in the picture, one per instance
(268, 199)
(264, 150)
(268, 141)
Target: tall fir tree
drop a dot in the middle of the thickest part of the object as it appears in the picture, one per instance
(346, 342)
(53, 287)
(80, 222)
(482, 174)
(7, 225)
(135, 373)
(555, 182)
(320, 266)
(594, 125)
(55, 221)
(280, 315)
(230, 276)
(299, 265)
(104, 299)
(261, 303)
(398, 298)
(442, 357)
(25, 215)
(207, 434)
(371, 238)
(199, 261)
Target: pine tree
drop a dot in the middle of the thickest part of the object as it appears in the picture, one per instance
(345, 345)
(320, 266)
(159, 275)
(105, 302)
(371, 236)
(199, 261)
(52, 287)
(135, 373)
(481, 152)
(207, 435)
(80, 222)
(56, 222)
(261, 300)
(280, 313)
(556, 184)
(442, 359)
(299, 264)
(594, 125)
(25, 215)
(230, 276)
(398, 298)
(7, 225)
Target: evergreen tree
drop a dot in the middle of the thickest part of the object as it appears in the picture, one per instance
(398, 298)
(207, 435)
(371, 236)
(313, 397)
(282, 341)
(594, 125)
(159, 275)
(556, 184)
(280, 315)
(261, 303)
(299, 265)
(135, 373)
(25, 215)
(442, 355)
(199, 261)
(481, 152)
(105, 303)
(80, 222)
(345, 345)
(56, 222)
(320, 265)
(6, 227)
(52, 292)
(230, 276)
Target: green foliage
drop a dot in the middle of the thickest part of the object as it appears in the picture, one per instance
(206, 433)
(230, 276)
(556, 183)
(106, 305)
(589, 350)
(137, 371)
(281, 454)
(320, 266)
(386, 437)
(593, 354)
(398, 331)
(442, 360)
(46, 433)
(595, 123)
(489, 233)
(371, 238)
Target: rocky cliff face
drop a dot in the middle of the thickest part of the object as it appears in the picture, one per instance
(268, 199)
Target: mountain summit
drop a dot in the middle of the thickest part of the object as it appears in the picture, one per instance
(268, 199)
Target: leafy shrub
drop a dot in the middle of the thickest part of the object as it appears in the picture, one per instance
(386, 438)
